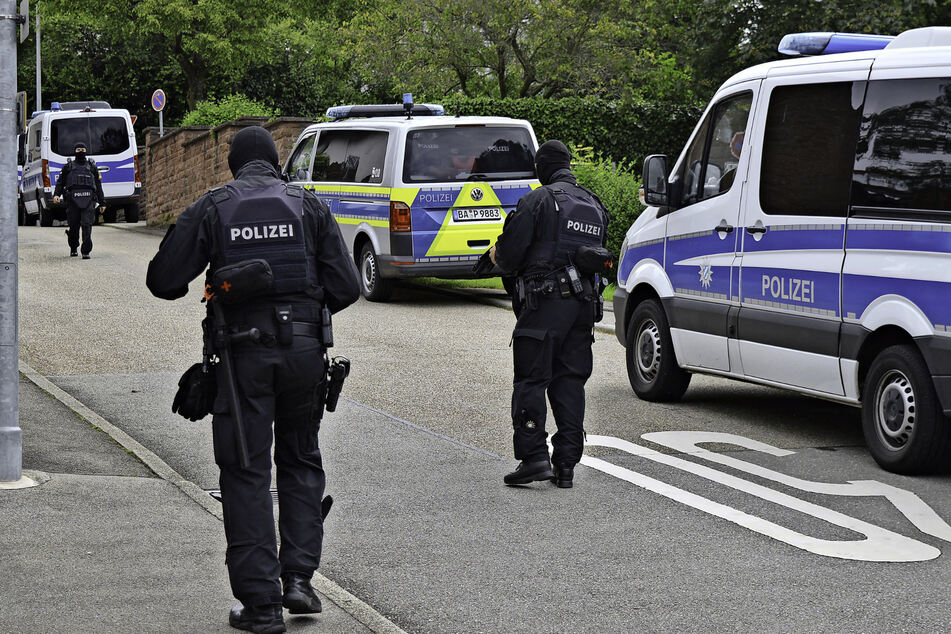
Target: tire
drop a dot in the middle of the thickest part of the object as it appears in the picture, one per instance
(132, 213)
(374, 286)
(21, 213)
(46, 217)
(905, 428)
(109, 215)
(651, 363)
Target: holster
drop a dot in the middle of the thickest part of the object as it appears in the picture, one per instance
(283, 324)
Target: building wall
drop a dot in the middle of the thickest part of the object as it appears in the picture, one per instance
(187, 162)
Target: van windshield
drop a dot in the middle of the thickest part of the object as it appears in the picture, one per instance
(102, 135)
(467, 153)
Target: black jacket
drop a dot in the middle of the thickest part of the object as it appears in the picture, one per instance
(521, 226)
(61, 180)
(188, 245)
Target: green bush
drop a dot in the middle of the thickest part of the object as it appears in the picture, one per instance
(214, 113)
(617, 185)
(625, 132)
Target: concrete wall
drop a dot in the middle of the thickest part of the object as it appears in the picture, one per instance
(187, 162)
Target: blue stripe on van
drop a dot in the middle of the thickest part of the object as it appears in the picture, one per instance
(927, 237)
(120, 171)
(796, 238)
(810, 292)
(651, 249)
(858, 291)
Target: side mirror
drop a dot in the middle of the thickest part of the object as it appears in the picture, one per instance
(655, 180)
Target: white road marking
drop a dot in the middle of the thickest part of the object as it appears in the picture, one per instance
(879, 544)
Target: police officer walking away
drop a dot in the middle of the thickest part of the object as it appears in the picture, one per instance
(551, 229)
(83, 187)
(258, 216)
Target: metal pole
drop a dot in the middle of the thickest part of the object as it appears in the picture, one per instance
(39, 75)
(11, 441)
(161, 126)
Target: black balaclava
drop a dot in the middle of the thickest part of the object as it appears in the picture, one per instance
(251, 144)
(551, 157)
(80, 152)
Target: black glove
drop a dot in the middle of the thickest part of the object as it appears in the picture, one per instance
(484, 265)
(196, 394)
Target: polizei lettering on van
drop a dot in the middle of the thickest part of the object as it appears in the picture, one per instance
(789, 288)
(583, 227)
(262, 232)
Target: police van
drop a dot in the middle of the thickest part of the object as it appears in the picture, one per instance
(415, 192)
(51, 137)
(803, 240)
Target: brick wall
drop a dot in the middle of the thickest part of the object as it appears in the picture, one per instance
(187, 162)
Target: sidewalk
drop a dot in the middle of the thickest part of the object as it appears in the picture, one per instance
(104, 544)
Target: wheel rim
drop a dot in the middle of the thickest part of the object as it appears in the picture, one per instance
(369, 271)
(895, 410)
(647, 351)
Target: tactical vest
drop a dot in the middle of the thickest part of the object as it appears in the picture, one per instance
(578, 221)
(265, 223)
(81, 184)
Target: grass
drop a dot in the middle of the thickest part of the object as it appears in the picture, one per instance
(488, 282)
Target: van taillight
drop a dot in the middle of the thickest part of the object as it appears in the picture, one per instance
(46, 173)
(137, 181)
(400, 217)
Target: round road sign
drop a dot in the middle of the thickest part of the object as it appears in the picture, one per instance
(158, 100)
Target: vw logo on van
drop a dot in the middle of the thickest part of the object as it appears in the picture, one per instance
(476, 194)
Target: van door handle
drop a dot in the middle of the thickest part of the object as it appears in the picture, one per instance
(724, 228)
(755, 229)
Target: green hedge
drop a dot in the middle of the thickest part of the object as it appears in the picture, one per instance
(620, 131)
(229, 108)
(616, 184)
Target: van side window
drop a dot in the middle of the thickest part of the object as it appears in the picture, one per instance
(710, 164)
(298, 168)
(350, 156)
(808, 149)
(903, 158)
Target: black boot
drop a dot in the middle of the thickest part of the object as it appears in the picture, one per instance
(262, 619)
(299, 595)
(563, 476)
(527, 472)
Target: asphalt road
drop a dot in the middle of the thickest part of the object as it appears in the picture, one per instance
(657, 535)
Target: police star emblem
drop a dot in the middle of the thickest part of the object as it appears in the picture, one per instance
(706, 274)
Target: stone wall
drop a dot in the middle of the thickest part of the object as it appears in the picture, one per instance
(187, 162)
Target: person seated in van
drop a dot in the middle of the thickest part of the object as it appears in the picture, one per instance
(82, 186)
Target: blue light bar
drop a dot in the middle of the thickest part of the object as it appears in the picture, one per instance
(831, 43)
(407, 98)
(384, 110)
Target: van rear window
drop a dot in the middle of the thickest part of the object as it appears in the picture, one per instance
(102, 135)
(463, 153)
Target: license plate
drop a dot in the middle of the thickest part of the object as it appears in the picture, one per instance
(477, 213)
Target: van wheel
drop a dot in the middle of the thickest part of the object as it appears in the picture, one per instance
(651, 364)
(109, 215)
(905, 429)
(21, 213)
(46, 217)
(132, 213)
(375, 287)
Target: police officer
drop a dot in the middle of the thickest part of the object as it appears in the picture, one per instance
(83, 188)
(258, 216)
(556, 307)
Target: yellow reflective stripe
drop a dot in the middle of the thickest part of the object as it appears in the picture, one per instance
(489, 199)
(349, 189)
(359, 221)
(535, 185)
(404, 194)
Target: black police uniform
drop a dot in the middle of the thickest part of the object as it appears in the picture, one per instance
(82, 185)
(259, 216)
(552, 340)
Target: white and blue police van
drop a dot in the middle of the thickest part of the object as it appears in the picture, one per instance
(802, 240)
(51, 136)
(415, 192)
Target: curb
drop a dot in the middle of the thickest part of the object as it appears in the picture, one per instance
(347, 602)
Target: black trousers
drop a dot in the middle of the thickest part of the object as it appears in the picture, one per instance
(276, 385)
(551, 346)
(78, 219)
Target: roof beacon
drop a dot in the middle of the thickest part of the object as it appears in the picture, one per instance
(408, 104)
(831, 43)
(386, 110)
